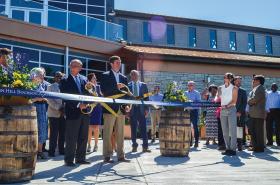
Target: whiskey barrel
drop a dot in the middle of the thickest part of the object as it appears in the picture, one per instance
(175, 133)
(18, 143)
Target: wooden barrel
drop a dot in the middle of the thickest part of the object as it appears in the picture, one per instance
(175, 133)
(18, 143)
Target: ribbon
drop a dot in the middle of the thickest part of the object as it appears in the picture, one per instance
(54, 95)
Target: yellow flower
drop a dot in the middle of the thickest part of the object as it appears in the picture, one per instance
(16, 75)
(17, 83)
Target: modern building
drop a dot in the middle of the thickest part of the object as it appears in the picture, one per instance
(180, 49)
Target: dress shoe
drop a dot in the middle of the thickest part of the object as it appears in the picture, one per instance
(134, 149)
(229, 153)
(122, 159)
(225, 152)
(269, 144)
(51, 155)
(146, 150)
(108, 160)
(221, 147)
(70, 164)
(196, 144)
(153, 140)
(82, 162)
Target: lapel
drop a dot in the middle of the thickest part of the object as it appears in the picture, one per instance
(112, 77)
(72, 81)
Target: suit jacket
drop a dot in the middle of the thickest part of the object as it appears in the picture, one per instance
(256, 102)
(68, 85)
(241, 101)
(143, 89)
(109, 87)
(54, 104)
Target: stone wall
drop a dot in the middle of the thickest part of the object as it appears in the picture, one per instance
(163, 78)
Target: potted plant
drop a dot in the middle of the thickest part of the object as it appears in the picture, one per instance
(175, 127)
(202, 128)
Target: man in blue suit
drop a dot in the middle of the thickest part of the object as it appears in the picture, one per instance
(76, 131)
(138, 113)
(111, 82)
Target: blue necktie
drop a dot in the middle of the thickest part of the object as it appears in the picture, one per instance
(77, 80)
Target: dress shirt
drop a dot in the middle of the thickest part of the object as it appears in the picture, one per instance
(117, 76)
(193, 96)
(272, 100)
(156, 97)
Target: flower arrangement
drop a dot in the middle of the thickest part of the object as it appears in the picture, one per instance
(13, 74)
(173, 93)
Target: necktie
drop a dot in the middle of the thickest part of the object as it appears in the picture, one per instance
(77, 80)
(135, 89)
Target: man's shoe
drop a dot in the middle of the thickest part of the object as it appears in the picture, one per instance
(153, 140)
(269, 144)
(226, 152)
(82, 162)
(108, 160)
(196, 144)
(146, 150)
(221, 148)
(70, 164)
(134, 149)
(51, 155)
(231, 152)
(122, 159)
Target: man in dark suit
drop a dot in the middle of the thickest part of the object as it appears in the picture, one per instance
(111, 82)
(241, 110)
(257, 113)
(76, 132)
(138, 113)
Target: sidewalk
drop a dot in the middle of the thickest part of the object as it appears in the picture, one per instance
(205, 165)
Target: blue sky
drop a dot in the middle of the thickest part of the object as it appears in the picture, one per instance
(259, 13)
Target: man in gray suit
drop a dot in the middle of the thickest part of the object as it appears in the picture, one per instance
(138, 113)
(256, 102)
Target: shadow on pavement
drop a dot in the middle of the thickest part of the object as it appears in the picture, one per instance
(162, 160)
(233, 161)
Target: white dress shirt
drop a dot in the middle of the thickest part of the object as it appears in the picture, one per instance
(117, 76)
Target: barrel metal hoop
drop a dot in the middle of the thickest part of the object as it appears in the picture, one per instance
(18, 155)
(18, 132)
(17, 171)
(11, 117)
(168, 141)
(170, 125)
(175, 117)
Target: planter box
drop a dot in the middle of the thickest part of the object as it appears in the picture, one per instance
(203, 132)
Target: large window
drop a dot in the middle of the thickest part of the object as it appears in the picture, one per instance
(268, 45)
(192, 37)
(124, 25)
(251, 43)
(52, 58)
(147, 32)
(77, 23)
(232, 41)
(213, 39)
(170, 35)
(57, 19)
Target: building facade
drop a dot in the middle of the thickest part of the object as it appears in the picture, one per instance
(147, 33)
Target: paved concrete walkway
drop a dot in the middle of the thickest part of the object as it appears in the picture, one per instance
(205, 165)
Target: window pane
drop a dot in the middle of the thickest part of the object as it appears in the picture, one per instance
(50, 70)
(96, 2)
(147, 32)
(5, 46)
(124, 25)
(232, 41)
(77, 1)
(268, 45)
(96, 28)
(77, 23)
(57, 19)
(2, 2)
(251, 43)
(52, 58)
(35, 17)
(192, 37)
(97, 16)
(96, 10)
(2, 9)
(77, 8)
(29, 4)
(58, 5)
(96, 65)
(31, 65)
(30, 54)
(170, 35)
(213, 39)
(18, 14)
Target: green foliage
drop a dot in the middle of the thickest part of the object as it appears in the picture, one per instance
(174, 94)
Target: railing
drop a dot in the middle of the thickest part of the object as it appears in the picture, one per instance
(39, 13)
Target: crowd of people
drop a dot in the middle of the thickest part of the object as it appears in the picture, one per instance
(71, 126)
